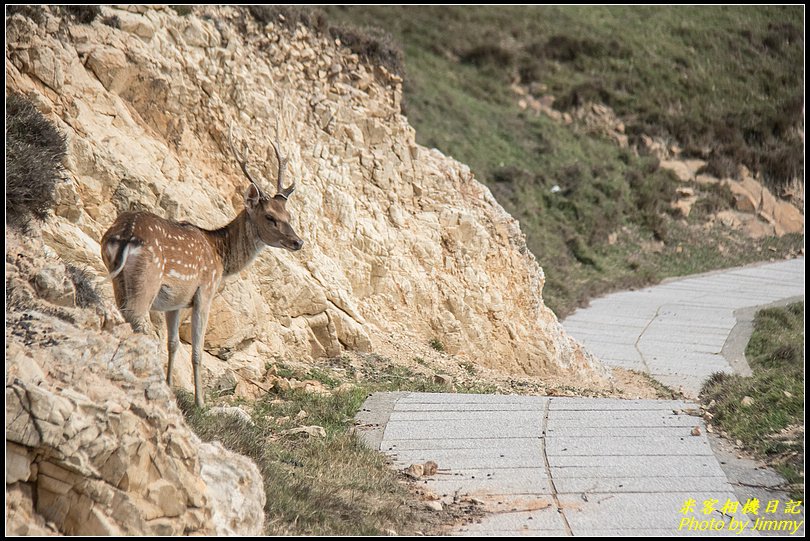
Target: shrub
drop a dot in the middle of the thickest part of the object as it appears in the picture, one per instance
(35, 13)
(720, 166)
(182, 10)
(582, 252)
(112, 21)
(566, 49)
(652, 190)
(373, 45)
(82, 14)
(590, 91)
(781, 34)
(488, 54)
(718, 197)
(34, 154)
(563, 48)
(511, 173)
(784, 163)
(291, 16)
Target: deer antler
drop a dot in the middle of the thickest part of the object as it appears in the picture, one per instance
(282, 166)
(240, 159)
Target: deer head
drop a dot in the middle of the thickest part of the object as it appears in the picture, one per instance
(269, 214)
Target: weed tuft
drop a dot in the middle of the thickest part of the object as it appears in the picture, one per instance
(182, 9)
(437, 345)
(86, 293)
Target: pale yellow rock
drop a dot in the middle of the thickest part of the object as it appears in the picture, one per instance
(789, 218)
(98, 523)
(680, 168)
(18, 463)
(21, 518)
(684, 205)
(752, 197)
(744, 199)
(166, 497)
(111, 67)
(750, 224)
(135, 24)
(694, 165)
(47, 65)
(706, 179)
(236, 499)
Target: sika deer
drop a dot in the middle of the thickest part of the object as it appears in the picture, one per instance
(158, 264)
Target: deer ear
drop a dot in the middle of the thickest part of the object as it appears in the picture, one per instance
(253, 195)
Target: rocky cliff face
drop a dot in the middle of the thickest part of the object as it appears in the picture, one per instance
(402, 245)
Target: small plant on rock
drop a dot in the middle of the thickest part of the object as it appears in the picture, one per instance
(436, 344)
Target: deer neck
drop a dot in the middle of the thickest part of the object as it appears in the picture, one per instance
(237, 243)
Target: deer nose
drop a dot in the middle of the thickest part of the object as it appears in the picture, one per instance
(297, 245)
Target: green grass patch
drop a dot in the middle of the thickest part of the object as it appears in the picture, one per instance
(469, 368)
(772, 426)
(330, 485)
(315, 486)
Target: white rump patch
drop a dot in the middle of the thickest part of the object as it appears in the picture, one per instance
(112, 250)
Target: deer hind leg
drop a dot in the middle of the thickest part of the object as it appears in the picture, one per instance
(119, 291)
(199, 321)
(138, 324)
(173, 340)
(140, 295)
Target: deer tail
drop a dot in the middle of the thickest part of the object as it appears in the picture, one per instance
(122, 256)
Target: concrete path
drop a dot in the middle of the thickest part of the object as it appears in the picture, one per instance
(556, 466)
(588, 466)
(678, 332)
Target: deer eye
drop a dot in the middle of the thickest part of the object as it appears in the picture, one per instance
(271, 219)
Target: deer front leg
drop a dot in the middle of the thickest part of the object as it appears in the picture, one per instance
(199, 320)
(173, 340)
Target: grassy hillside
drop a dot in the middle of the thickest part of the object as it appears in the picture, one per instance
(722, 81)
(725, 83)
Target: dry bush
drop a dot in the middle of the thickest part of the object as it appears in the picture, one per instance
(34, 153)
